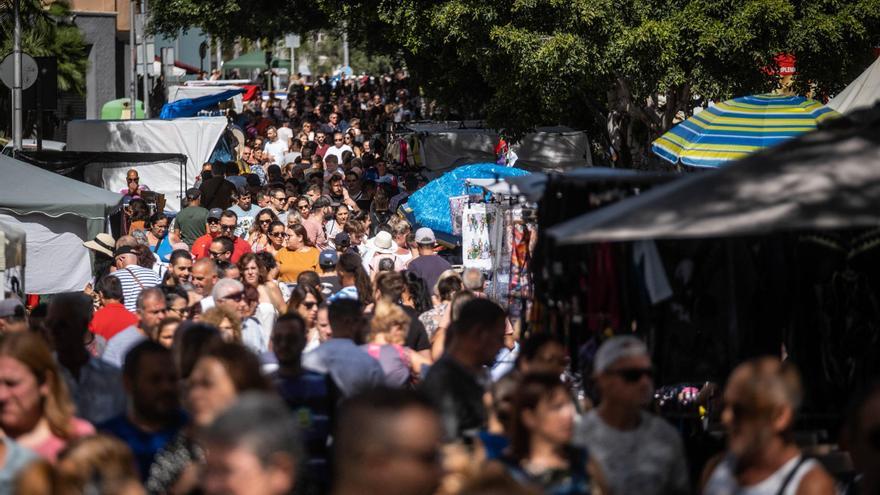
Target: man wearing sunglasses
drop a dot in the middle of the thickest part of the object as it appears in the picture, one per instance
(134, 187)
(638, 452)
(221, 223)
(760, 404)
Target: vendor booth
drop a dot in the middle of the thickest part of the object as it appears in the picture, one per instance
(199, 139)
(57, 215)
(108, 171)
(775, 254)
(12, 260)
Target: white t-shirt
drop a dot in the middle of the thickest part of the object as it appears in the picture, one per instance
(337, 151)
(276, 149)
(285, 134)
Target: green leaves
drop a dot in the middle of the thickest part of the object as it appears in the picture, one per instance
(526, 63)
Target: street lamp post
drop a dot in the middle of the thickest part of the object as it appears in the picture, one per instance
(16, 77)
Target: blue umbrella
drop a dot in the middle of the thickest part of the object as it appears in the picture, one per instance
(430, 204)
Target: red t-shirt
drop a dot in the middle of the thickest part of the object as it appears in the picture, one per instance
(112, 319)
(202, 247)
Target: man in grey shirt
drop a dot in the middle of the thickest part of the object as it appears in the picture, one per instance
(350, 367)
(639, 453)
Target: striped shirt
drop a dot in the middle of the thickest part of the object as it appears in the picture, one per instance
(134, 279)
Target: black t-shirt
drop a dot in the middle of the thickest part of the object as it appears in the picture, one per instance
(217, 193)
(416, 337)
(330, 285)
(458, 396)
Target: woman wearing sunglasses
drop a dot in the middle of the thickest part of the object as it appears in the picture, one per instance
(305, 300)
(277, 238)
(157, 236)
(258, 236)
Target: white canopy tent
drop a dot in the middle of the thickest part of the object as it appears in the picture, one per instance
(194, 137)
(861, 93)
(57, 215)
(12, 256)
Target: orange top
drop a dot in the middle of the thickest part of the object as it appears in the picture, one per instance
(292, 263)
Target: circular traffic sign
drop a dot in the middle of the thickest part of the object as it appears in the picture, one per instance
(29, 71)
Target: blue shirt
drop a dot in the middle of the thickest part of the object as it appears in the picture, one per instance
(144, 445)
(352, 369)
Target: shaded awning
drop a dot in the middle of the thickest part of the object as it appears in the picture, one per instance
(827, 179)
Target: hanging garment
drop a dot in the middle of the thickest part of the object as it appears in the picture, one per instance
(650, 265)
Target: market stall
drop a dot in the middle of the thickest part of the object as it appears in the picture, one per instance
(57, 215)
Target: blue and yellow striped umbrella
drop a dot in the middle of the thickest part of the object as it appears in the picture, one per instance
(737, 127)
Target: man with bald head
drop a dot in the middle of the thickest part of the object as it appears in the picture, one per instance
(134, 278)
(151, 308)
(760, 404)
(204, 276)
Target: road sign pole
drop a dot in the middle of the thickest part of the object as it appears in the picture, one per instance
(146, 71)
(16, 78)
(132, 86)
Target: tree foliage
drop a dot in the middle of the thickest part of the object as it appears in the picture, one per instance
(626, 69)
(48, 31)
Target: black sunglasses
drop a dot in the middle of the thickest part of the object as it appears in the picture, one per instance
(267, 220)
(633, 375)
(215, 254)
(236, 296)
(134, 180)
(213, 221)
(278, 234)
(227, 227)
(310, 304)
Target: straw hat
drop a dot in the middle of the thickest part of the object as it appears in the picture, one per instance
(102, 243)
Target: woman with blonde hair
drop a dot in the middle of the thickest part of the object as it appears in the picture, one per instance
(227, 321)
(388, 329)
(35, 408)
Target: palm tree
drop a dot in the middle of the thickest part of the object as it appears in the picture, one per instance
(47, 31)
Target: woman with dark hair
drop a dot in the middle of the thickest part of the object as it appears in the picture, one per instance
(138, 214)
(220, 376)
(299, 255)
(157, 236)
(415, 294)
(258, 236)
(354, 280)
(277, 238)
(271, 301)
(540, 451)
(448, 284)
(304, 301)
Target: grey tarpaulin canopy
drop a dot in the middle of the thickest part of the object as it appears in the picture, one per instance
(827, 179)
(57, 214)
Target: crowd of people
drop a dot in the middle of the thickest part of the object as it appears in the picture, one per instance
(288, 331)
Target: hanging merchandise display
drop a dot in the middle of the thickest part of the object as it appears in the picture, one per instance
(456, 209)
(480, 235)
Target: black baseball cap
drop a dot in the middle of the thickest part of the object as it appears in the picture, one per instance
(342, 240)
(123, 250)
